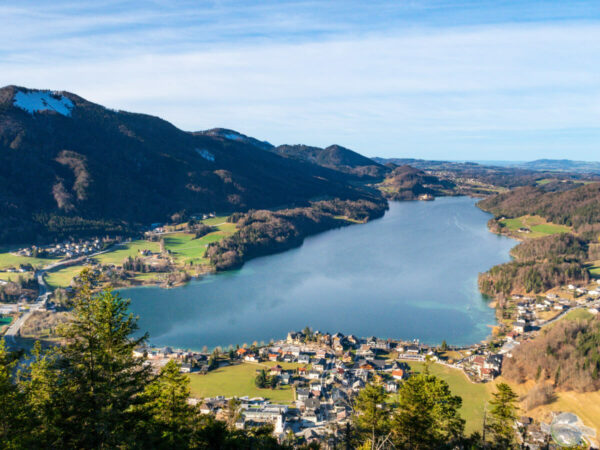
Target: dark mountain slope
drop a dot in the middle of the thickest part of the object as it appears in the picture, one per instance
(68, 166)
(236, 136)
(335, 157)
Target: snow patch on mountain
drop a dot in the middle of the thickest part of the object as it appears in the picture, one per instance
(206, 154)
(37, 101)
(235, 137)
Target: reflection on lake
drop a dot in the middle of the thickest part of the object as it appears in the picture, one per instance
(411, 274)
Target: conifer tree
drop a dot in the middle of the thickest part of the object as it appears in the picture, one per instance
(100, 380)
(372, 415)
(166, 401)
(503, 414)
(427, 414)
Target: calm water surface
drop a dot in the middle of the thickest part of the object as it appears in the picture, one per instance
(411, 274)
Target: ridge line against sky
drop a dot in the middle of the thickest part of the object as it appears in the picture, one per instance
(440, 80)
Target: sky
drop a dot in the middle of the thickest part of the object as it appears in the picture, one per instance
(458, 80)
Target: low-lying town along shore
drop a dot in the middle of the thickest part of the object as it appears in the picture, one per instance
(323, 372)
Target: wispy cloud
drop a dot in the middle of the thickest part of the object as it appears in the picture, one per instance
(432, 79)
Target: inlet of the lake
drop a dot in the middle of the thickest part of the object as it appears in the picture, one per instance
(409, 275)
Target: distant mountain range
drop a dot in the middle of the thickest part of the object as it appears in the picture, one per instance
(561, 165)
(72, 167)
(539, 165)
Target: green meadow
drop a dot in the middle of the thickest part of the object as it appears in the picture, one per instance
(122, 252)
(539, 227)
(8, 260)
(237, 380)
(62, 277)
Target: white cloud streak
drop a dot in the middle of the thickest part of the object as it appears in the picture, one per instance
(417, 92)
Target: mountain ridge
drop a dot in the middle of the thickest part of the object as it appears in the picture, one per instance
(92, 169)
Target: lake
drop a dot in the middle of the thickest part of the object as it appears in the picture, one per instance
(411, 274)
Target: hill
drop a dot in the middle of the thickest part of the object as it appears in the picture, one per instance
(566, 354)
(559, 258)
(72, 167)
(335, 157)
(578, 207)
(408, 183)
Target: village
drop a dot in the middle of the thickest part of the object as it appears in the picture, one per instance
(326, 371)
(66, 249)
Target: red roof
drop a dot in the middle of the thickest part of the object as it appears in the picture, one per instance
(479, 360)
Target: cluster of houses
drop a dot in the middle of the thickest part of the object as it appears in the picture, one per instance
(66, 249)
(330, 370)
(529, 309)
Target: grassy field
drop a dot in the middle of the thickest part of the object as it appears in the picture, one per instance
(62, 277)
(578, 314)
(117, 256)
(216, 220)
(151, 276)
(237, 381)
(9, 260)
(474, 395)
(185, 249)
(229, 228)
(6, 276)
(539, 227)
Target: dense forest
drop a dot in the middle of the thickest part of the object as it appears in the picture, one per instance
(265, 232)
(567, 355)
(547, 262)
(539, 265)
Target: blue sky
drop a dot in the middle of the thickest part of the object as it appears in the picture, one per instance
(482, 80)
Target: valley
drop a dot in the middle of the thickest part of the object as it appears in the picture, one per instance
(304, 235)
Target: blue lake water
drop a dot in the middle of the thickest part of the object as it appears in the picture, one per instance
(411, 274)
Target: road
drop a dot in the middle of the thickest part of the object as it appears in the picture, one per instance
(15, 327)
(561, 315)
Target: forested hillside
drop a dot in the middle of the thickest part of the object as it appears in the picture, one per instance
(265, 232)
(72, 167)
(578, 207)
(543, 263)
(566, 355)
(539, 265)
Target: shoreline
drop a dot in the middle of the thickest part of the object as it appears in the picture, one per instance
(490, 323)
(145, 283)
